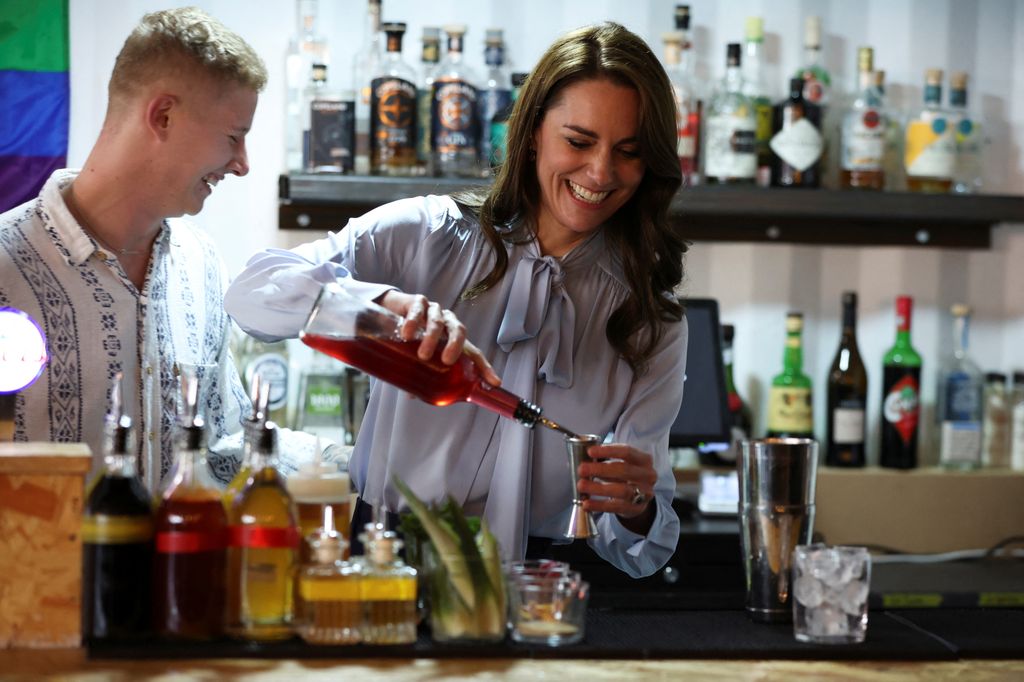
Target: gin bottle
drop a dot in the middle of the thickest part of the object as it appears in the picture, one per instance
(393, 110)
(365, 66)
(455, 112)
(497, 91)
(864, 127)
(730, 142)
(755, 88)
(929, 154)
(797, 142)
(967, 177)
(959, 407)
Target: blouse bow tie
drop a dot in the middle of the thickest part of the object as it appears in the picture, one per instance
(538, 306)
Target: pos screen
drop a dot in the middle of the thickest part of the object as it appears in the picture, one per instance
(704, 414)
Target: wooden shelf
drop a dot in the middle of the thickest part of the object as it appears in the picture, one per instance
(709, 213)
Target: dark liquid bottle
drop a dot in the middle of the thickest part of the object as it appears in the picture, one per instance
(740, 420)
(117, 548)
(901, 390)
(191, 535)
(847, 395)
(797, 143)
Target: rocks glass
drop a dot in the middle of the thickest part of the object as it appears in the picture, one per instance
(830, 593)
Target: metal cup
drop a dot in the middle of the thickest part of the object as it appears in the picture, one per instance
(776, 477)
(581, 523)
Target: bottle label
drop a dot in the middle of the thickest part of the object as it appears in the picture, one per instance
(963, 398)
(763, 114)
(864, 142)
(731, 147)
(789, 410)
(814, 89)
(901, 406)
(848, 424)
(393, 114)
(323, 397)
(961, 442)
(273, 370)
(454, 117)
(798, 144)
(332, 131)
(687, 126)
(188, 542)
(106, 529)
(931, 148)
(387, 589)
(337, 589)
(263, 537)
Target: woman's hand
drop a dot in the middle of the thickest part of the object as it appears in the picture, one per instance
(436, 324)
(625, 486)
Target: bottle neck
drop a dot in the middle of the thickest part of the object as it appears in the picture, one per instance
(932, 95)
(730, 385)
(673, 54)
(812, 55)
(793, 355)
(733, 78)
(494, 56)
(960, 329)
(372, 36)
(752, 56)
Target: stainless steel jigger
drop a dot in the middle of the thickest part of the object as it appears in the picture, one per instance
(581, 523)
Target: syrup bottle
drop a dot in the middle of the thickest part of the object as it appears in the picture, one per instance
(262, 549)
(388, 591)
(259, 395)
(328, 608)
(117, 540)
(191, 534)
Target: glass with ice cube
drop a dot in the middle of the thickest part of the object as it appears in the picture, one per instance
(830, 593)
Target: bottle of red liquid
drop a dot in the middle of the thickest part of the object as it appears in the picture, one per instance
(366, 336)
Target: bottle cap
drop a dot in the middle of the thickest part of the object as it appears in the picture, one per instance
(958, 80)
(732, 54)
(796, 87)
(431, 33)
(384, 547)
(878, 78)
(794, 322)
(728, 331)
(812, 32)
(682, 17)
(673, 37)
(754, 29)
(454, 30)
(995, 378)
(849, 298)
(397, 27)
(494, 37)
(865, 59)
(327, 546)
(1018, 378)
(933, 76)
(960, 309)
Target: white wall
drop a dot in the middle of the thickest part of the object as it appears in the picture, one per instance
(755, 284)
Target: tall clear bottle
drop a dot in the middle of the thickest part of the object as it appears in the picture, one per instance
(262, 549)
(496, 94)
(365, 66)
(687, 106)
(429, 59)
(929, 154)
(755, 87)
(864, 128)
(117, 540)
(959, 408)
(306, 48)
(790, 404)
(730, 132)
(847, 396)
(967, 178)
(901, 395)
(393, 110)
(455, 112)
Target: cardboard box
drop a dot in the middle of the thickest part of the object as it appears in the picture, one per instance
(927, 510)
(42, 486)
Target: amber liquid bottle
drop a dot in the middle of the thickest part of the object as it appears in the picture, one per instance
(117, 546)
(191, 532)
(847, 395)
(262, 550)
(388, 593)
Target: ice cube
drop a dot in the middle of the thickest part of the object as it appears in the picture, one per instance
(808, 591)
(825, 564)
(852, 566)
(853, 597)
(827, 621)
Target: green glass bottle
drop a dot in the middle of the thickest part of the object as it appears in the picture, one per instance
(901, 393)
(790, 413)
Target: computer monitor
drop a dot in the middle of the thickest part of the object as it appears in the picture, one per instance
(704, 415)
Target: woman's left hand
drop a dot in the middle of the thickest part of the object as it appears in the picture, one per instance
(625, 486)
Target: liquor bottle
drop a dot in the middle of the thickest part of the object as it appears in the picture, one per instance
(365, 66)
(252, 426)
(270, 361)
(930, 145)
(967, 178)
(687, 105)
(817, 81)
(730, 133)
(790, 407)
(117, 540)
(321, 399)
(262, 549)
(496, 94)
(454, 112)
(741, 420)
(754, 87)
(797, 142)
(892, 157)
(306, 48)
(429, 59)
(388, 592)
(499, 124)
(329, 608)
(1017, 417)
(191, 536)
(865, 124)
(901, 395)
(995, 430)
(329, 126)
(393, 110)
(959, 407)
(847, 396)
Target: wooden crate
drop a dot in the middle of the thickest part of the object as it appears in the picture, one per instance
(41, 498)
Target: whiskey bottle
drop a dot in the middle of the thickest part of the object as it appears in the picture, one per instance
(755, 87)
(959, 408)
(429, 59)
(455, 112)
(365, 65)
(393, 110)
(790, 407)
(329, 126)
(496, 94)
(262, 550)
(306, 48)
(797, 142)
(967, 178)
(930, 146)
(688, 106)
(901, 395)
(388, 591)
(328, 607)
(730, 149)
(847, 396)
(864, 128)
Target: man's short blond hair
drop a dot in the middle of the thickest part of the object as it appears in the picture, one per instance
(181, 42)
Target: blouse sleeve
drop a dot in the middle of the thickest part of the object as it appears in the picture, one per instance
(651, 409)
(271, 298)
